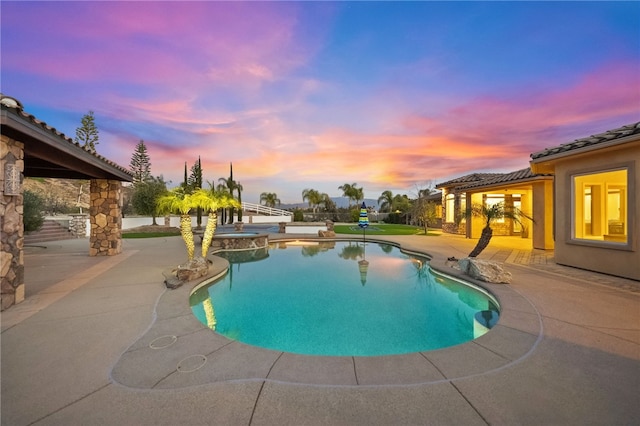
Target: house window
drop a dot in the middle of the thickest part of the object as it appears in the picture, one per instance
(599, 208)
(493, 199)
(463, 208)
(450, 208)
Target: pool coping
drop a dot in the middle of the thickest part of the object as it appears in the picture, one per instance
(178, 351)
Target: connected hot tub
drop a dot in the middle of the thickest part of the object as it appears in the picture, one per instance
(240, 241)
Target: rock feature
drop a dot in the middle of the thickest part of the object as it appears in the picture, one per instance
(484, 270)
(192, 270)
(326, 234)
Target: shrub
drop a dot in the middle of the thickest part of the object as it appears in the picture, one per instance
(32, 211)
(394, 218)
(298, 216)
(354, 215)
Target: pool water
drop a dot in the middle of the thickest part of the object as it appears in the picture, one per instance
(322, 299)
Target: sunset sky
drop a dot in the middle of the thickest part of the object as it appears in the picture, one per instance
(317, 94)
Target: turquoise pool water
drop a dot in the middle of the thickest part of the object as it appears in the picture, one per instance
(322, 299)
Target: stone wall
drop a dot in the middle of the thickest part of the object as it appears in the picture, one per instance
(78, 225)
(105, 217)
(11, 222)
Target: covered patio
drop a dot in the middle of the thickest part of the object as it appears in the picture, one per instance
(31, 148)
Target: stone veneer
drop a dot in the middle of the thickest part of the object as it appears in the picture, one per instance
(106, 217)
(248, 241)
(11, 225)
(78, 225)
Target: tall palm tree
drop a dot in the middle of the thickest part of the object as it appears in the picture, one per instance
(490, 214)
(358, 195)
(230, 184)
(269, 199)
(239, 188)
(386, 201)
(348, 191)
(314, 198)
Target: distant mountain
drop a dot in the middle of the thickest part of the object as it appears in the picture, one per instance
(341, 202)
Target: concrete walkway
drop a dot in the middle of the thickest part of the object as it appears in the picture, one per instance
(101, 341)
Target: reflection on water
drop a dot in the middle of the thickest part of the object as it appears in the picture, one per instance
(307, 299)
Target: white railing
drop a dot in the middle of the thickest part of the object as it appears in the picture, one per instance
(269, 211)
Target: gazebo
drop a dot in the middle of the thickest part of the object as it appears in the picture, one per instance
(31, 148)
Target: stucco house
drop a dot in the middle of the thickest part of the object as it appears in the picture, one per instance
(582, 195)
(596, 201)
(529, 192)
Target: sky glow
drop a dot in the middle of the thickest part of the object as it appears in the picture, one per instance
(392, 96)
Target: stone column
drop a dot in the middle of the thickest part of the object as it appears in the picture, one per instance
(105, 214)
(11, 222)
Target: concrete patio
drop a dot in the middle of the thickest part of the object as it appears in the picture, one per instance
(99, 340)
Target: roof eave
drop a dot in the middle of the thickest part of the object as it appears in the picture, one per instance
(31, 131)
(583, 150)
(506, 184)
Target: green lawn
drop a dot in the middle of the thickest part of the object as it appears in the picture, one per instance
(150, 234)
(381, 229)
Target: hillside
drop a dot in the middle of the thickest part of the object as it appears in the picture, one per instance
(60, 195)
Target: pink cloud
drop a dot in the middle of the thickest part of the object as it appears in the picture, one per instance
(230, 43)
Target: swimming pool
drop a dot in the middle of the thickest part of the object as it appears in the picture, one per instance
(341, 299)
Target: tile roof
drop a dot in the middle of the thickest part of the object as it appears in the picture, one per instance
(610, 135)
(478, 180)
(16, 106)
(474, 177)
(521, 175)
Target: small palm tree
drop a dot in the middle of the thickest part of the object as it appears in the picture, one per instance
(211, 202)
(490, 214)
(178, 201)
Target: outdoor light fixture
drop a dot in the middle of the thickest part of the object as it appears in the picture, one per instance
(11, 180)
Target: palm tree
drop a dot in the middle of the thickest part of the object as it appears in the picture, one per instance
(386, 201)
(178, 201)
(348, 191)
(230, 184)
(239, 188)
(269, 199)
(327, 202)
(358, 195)
(313, 196)
(211, 202)
(490, 214)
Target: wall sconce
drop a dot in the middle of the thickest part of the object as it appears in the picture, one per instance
(12, 184)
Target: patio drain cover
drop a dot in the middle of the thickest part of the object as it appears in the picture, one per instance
(191, 363)
(162, 342)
